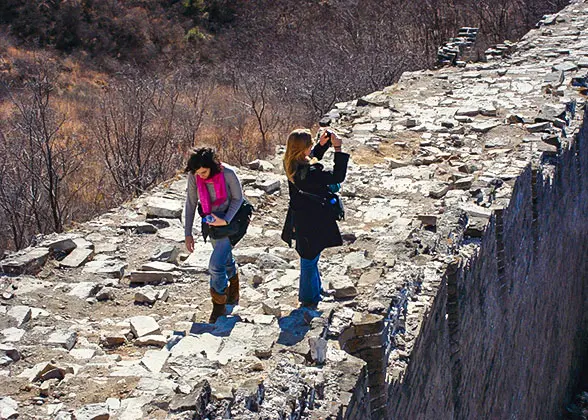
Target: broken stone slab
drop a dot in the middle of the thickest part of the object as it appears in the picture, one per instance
(21, 314)
(396, 163)
(159, 266)
(343, 286)
(146, 294)
(247, 255)
(106, 293)
(30, 262)
(476, 227)
(151, 277)
(427, 219)
(468, 111)
(113, 268)
(151, 340)
(202, 344)
(112, 339)
(484, 127)
(538, 127)
(12, 334)
(164, 207)
(60, 245)
(357, 261)
(82, 354)
(271, 307)
(551, 112)
(270, 186)
(85, 289)
(166, 253)
(565, 66)
(261, 165)
(195, 402)
(464, 183)
(269, 261)
(139, 227)
(9, 351)
(154, 360)
(8, 408)
(144, 325)
(439, 190)
(77, 257)
(65, 339)
(93, 412)
(44, 371)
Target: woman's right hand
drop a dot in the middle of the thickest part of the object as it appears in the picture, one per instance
(190, 243)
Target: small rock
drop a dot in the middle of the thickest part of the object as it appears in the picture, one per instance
(271, 307)
(8, 408)
(22, 314)
(146, 295)
(151, 340)
(65, 339)
(166, 253)
(93, 412)
(261, 165)
(144, 325)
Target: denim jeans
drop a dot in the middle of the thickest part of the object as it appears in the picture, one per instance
(221, 265)
(310, 281)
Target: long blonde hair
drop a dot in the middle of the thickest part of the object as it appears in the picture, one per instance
(299, 141)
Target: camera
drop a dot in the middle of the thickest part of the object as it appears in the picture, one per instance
(330, 135)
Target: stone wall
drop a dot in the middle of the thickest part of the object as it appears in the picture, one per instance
(514, 339)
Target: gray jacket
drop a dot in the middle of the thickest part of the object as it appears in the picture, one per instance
(226, 210)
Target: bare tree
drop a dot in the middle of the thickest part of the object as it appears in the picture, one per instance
(39, 161)
(137, 131)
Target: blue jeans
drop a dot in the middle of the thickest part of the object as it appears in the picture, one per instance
(310, 281)
(221, 265)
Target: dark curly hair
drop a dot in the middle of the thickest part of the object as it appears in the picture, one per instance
(203, 157)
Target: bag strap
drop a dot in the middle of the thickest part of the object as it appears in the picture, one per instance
(321, 200)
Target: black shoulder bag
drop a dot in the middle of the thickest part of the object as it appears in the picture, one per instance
(234, 230)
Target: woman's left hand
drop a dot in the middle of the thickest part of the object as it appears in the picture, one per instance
(218, 221)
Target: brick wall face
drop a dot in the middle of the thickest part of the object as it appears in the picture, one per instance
(514, 339)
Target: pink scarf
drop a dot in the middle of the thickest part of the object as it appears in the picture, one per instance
(220, 191)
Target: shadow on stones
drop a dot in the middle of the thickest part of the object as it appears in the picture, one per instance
(222, 328)
(294, 327)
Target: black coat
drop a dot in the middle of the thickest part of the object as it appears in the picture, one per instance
(308, 222)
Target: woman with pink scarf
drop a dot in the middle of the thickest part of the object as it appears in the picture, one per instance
(219, 192)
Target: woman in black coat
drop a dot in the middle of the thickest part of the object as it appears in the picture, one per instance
(309, 221)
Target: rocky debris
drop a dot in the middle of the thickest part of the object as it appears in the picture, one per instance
(8, 408)
(65, 339)
(84, 290)
(45, 371)
(151, 277)
(93, 412)
(164, 207)
(167, 253)
(144, 325)
(149, 295)
(432, 157)
(139, 227)
(106, 266)
(261, 165)
(21, 314)
(27, 262)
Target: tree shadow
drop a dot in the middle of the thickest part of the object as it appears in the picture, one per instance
(294, 327)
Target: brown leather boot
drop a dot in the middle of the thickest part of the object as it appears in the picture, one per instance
(219, 302)
(233, 290)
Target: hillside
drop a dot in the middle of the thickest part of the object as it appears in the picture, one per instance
(235, 74)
